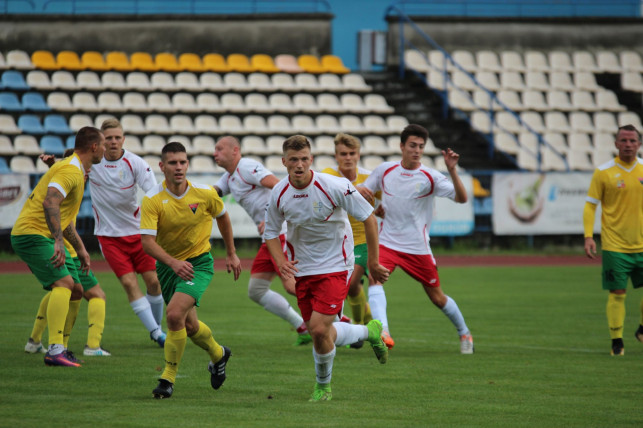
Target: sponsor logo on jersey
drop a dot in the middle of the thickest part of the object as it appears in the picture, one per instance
(110, 166)
(620, 184)
(193, 207)
(317, 207)
(300, 195)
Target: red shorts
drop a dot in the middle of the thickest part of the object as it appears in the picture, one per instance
(324, 293)
(125, 254)
(263, 261)
(420, 267)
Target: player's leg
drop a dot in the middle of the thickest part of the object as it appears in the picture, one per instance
(356, 297)
(616, 271)
(324, 350)
(72, 314)
(377, 298)
(34, 344)
(637, 282)
(96, 300)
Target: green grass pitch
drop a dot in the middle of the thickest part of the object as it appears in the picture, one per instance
(542, 360)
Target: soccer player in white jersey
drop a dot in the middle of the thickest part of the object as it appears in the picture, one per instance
(320, 254)
(117, 218)
(408, 189)
(250, 182)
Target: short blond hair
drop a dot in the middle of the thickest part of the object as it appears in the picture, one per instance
(296, 142)
(111, 123)
(349, 141)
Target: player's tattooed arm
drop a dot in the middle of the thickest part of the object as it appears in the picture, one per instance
(51, 206)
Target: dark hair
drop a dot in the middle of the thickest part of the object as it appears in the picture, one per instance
(629, 128)
(87, 136)
(67, 153)
(172, 147)
(415, 131)
(296, 142)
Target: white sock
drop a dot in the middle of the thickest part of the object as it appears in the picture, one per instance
(452, 311)
(55, 349)
(349, 333)
(156, 303)
(324, 365)
(143, 311)
(377, 302)
(275, 303)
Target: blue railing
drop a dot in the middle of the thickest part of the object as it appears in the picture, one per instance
(449, 63)
(149, 7)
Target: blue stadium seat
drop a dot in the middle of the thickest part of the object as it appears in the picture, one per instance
(4, 167)
(86, 209)
(57, 124)
(52, 145)
(70, 143)
(483, 206)
(34, 101)
(30, 124)
(10, 102)
(12, 79)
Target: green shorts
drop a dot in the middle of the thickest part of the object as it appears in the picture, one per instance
(36, 250)
(618, 267)
(87, 281)
(171, 283)
(361, 256)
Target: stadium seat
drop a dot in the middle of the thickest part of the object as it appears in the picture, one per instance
(481, 121)
(375, 124)
(632, 81)
(603, 141)
(113, 80)
(38, 79)
(508, 122)
(631, 61)
(556, 121)
(153, 144)
(583, 101)
(260, 82)
(331, 83)
(135, 102)
(182, 124)
(629, 118)
(14, 81)
(581, 122)
(580, 142)
(230, 124)
(488, 80)
(279, 124)
(257, 102)
(203, 164)
(22, 164)
(307, 82)
(8, 125)
(416, 60)
(488, 61)
(236, 82)
(44, 60)
(27, 145)
(605, 122)
(322, 162)
(209, 103)
(461, 100)
(324, 145)
(310, 64)
(110, 101)
(579, 161)
(353, 103)
(56, 124)
(203, 144)
(537, 81)
(304, 124)
(463, 81)
(69, 60)
(93, 60)
(30, 124)
(560, 61)
(60, 101)
(187, 81)
(330, 103)
(163, 81)
(143, 61)
(134, 124)
(536, 61)
(138, 81)
(552, 161)
(207, 124)
(80, 120)
(584, 61)
(19, 60)
(62, 79)
(255, 125)
(512, 61)
(327, 124)
(9, 102)
(263, 63)
(191, 62)
(509, 99)
(85, 101)
(100, 118)
(506, 142)
(89, 80)
(254, 145)
(283, 82)
(371, 162)
(375, 145)
(559, 100)
(607, 100)
(273, 163)
(561, 81)
(535, 100)
(233, 103)
(6, 147)
(211, 82)
(133, 144)
(305, 103)
(586, 81)
(355, 82)
(333, 64)
(158, 124)
(166, 61)
(395, 123)
(185, 103)
(240, 63)
(512, 80)
(52, 145)
(288, 64)
(557, 141)
(608, 62)
(215, 62)
(436, 80)
(464, 59)
(118, 61)
(153, 161)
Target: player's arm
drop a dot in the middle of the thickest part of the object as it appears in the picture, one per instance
(232, 262)
(378, 272)
(268, 181)
(286, 267)
(589, 214)
(451, 159)
(51, 206)
(72, 236)
(182, 268)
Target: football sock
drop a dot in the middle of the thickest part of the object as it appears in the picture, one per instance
(156, 305)
(72, 314)
(57, 313)
(173, 350)
(377, 302)
(203, 339)
(275, 303)
(368, 316)
(324, 365)
(143, 310)
(616, 314)
(40, 323)
(452, 312)
(96, 320)
(358, 306)
(349, 333)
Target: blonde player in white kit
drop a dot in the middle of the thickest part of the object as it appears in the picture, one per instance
(408, 189)
(117, 225)
(250, 182)
(320, 254)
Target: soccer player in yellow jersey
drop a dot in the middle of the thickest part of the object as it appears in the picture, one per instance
(56, 200)
(347, 155)
(176, 223)
(618, 186)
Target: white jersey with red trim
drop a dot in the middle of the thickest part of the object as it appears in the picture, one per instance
(114, 194)
(407, 199)
(319, 234)
(245, 186)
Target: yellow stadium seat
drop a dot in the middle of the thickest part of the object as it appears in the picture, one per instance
(69, 60)
(215, 62)
(310, 64)
(93, 60)
(264, 63)
(240, 63)
(167, 62)
(191, 62)
(118, 61)
(143, 61)
(44, 60)
(333, 64)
